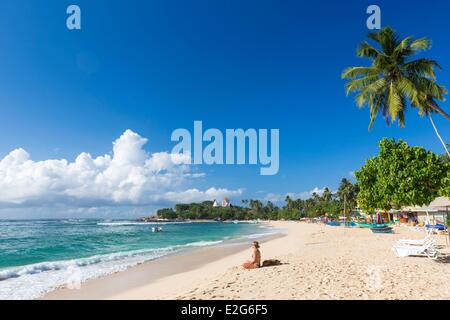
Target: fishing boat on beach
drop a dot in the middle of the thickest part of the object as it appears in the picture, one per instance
(380, 226)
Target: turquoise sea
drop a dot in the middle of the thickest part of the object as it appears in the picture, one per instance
(36, 256)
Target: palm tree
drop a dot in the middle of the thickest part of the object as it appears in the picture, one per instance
(315, 197)
(268, 210)
(347, 192)
(256, 206)
(298, 204)
(327, 195)
(395, 80)
(289, 202)
(269, 207)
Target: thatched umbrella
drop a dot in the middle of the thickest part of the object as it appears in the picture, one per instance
(442, 202)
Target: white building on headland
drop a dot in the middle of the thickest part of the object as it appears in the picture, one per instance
(225, 203)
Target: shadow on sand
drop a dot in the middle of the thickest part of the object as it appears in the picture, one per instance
(443, 258)
(272, 263)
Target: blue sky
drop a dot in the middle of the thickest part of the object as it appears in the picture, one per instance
(154, 66)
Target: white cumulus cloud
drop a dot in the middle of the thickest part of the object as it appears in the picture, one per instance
(279, 198)
(130, 176)
(195, 195)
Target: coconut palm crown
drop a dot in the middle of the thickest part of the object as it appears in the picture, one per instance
(394, 79)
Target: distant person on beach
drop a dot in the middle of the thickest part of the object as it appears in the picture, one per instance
(256, 257)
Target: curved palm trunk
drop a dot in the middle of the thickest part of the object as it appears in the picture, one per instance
(438, 135)
(439, 110)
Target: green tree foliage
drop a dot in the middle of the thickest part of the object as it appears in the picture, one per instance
(205, 210)
(445, 189)
(401, 175)
(166, 213)
(294, 209)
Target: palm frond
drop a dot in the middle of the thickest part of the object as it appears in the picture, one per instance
(361, 99)
(403, 50)
(407, 88)
(366, 50)
(376, 87)
(431, 88)
(421, 44)
(395, 102)
(403, 45)
(353, 72)
(359, 84)
(422, 67)
(401, 118)
(388, 40)
(375, 106)
(375, 36)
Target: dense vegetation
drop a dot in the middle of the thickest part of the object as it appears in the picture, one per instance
(399, 175)
(294, 209)
(402, 176)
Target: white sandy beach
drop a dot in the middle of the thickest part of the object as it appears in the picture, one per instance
(319, 262)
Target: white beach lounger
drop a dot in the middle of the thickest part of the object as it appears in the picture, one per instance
(419, 242)
(427, 250)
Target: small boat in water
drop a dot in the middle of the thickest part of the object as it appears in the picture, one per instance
(156, 229)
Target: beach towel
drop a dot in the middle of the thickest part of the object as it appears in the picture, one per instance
(271, 262)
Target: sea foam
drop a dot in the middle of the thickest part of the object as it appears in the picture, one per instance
(35, 280)
(134, 223)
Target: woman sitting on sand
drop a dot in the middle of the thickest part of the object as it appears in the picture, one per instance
(256, 257)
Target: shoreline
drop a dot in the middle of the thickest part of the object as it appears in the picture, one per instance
(318, 262)
(190, 259)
